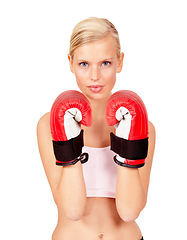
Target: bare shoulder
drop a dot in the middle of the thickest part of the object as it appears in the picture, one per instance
(43, 127)
(152, 136)
(44, 120)
(151, 129)
(146, 170)
(43, 132)
(45, 146)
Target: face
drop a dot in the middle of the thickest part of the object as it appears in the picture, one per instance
(95, 66)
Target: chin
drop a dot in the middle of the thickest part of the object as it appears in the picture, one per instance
(97, 96)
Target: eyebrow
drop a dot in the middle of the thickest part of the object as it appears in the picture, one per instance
(105, 59)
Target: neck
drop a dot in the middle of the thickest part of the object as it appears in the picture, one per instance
(98, 134)
(98, 107)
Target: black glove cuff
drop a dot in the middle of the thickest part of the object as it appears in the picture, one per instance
(68, 152)
(129, 149)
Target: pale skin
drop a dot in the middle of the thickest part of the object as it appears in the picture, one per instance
(80, 217)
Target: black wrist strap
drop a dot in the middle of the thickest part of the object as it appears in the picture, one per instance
(129, 149)
(66, 151)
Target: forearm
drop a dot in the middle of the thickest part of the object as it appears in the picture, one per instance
(130, 194)
(70, 194)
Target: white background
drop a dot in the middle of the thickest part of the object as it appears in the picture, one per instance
(34, 69)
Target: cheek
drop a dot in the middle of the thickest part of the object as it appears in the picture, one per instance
(110, 75)
(81, 80)
(111, 80)
(80, 77)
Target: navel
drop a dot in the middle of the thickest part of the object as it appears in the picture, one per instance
(101, 235)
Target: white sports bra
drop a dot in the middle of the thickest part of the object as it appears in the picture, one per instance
(100, 172)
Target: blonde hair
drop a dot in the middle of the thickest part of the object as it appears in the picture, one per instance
(92, 29)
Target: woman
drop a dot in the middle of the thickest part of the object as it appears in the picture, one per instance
(85, 212)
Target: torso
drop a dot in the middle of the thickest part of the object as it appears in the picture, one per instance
(100, 221)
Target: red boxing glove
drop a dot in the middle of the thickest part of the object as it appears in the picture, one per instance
(70, 110)
(126, 111)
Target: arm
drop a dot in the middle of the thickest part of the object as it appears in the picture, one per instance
(67, 183)
(126, 111)
(132, 185)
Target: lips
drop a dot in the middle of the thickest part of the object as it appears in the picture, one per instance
(95, 88)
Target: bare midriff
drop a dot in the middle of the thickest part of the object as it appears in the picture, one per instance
(100, 221)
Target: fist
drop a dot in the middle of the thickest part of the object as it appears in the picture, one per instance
(126, 111)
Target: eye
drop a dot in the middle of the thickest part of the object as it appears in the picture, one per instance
(83, 64)
(106, 63)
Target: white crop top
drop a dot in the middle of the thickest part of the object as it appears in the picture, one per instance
(100, 172)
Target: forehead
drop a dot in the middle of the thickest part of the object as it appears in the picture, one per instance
(97, 50)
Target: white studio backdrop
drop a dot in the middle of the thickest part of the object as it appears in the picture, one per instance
(34, 69)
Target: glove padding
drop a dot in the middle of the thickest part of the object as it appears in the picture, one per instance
(70, 110)
(126, 111)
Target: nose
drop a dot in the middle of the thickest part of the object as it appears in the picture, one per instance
(94, 73)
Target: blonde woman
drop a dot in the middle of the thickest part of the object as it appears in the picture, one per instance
(96, 198)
